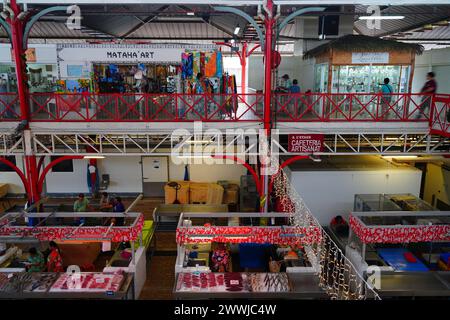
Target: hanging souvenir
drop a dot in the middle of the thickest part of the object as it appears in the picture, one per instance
(196, 63)
(202, 63)
(210, 64)
(219, 66)
(187, 65)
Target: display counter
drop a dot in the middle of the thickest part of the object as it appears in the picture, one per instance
(401, 246)
(247, 285)
(43, 285)
(414, 284)
(166, 215)
(81, 244)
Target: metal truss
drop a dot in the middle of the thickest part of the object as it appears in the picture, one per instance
(380, 144)
(11, 145)
(164, 144)
(139, 144)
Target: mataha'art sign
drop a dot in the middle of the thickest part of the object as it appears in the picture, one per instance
(305, 143)
(145, 53)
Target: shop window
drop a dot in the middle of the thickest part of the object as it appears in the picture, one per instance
(63, 166)
(6, 168)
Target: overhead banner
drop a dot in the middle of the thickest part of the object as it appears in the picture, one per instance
(370, 57)
(124, 54)
(305, 143)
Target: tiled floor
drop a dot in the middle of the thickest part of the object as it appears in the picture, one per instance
(160, 278)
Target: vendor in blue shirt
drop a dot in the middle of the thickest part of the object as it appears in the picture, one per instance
(294, 88)
(118, 207)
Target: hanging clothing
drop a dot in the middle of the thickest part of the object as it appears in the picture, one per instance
(202, 63)
(187, 61)
(219, 64)
(196, 63)
(210, 64)
(93, 178)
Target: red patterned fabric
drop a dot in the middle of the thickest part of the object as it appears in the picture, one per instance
(274, 235)
(399, 234)
(115, 234)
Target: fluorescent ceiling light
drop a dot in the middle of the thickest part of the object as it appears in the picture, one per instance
(381, 17)
(193, 157)
(190, 13)
(236, 31)
(94, 157)
(198, 141)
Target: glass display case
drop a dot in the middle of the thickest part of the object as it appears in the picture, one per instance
(374, 202)
(390, 202)
(321, 77)
(367, 78)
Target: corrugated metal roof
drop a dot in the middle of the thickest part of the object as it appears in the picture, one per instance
(415, 16)
(438, 33)
(179, 30)
(51, 29)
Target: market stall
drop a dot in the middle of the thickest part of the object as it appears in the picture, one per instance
(407, 243)
(41, 285)
(390, 202)
(235, 254)
(353, 69)
(379, 203)
(356, 63)
(81, 238)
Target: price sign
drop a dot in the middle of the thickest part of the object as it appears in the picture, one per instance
(305, 143)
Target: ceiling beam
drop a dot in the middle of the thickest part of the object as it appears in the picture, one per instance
(206, 18)
(244, 2)
(144, 22)
(129, 38)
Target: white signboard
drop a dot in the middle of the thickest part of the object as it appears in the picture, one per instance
(123, 53)
(45, 53)
(370, 57)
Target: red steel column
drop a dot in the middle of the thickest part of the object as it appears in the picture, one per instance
(269, 23)
(32, 178)
(244, 68)
(18, 52)
(17, 28)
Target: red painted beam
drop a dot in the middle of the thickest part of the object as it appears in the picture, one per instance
(249, 168)
(51, 165)
(18, 171)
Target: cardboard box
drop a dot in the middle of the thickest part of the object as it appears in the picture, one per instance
(182, 195)
(3, 190)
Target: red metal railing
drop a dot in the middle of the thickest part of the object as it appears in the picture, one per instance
(440, 117)
(9, 107)
(324, 107)
(90, 107)
(302, 107)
